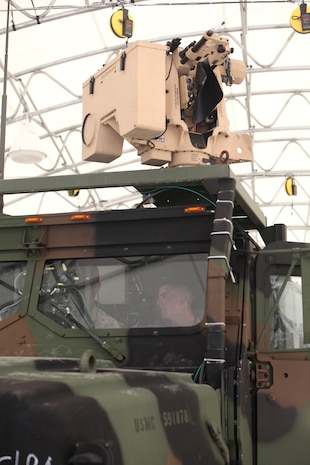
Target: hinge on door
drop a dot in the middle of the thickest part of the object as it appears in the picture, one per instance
(263, 372)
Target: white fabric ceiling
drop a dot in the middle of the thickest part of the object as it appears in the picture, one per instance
(55, 46)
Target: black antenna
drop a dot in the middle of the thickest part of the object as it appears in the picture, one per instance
(4, 102)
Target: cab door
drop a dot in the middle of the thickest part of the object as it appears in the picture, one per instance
(282, 353)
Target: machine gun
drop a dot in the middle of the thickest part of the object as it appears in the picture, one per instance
(167, 102)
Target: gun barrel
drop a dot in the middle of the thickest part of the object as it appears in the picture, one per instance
(202, 41)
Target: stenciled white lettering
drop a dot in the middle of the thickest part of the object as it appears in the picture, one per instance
(31, 459)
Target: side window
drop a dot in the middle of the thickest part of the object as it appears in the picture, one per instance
(12, 278)
(287, 321)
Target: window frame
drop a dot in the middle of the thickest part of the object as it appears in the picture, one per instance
(30, 264)
(279, 258)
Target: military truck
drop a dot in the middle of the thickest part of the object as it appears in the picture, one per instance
(173, 332)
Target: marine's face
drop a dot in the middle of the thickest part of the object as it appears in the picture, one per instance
(168, 302)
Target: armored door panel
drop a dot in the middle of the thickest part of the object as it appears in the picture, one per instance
(282, 360)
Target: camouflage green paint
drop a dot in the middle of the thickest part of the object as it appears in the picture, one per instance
(144, 394)
(139, 416)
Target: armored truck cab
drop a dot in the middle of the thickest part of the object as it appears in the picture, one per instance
(167, 333)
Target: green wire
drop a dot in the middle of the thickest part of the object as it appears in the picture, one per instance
(197, 372)
(184, 189)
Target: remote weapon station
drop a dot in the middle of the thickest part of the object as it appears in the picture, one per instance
(163, 334)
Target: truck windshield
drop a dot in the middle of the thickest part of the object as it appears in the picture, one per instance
(12, 278)
(146, 291)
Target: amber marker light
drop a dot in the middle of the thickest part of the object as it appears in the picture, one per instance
(80, 217)
(196, 209)
(34, 219)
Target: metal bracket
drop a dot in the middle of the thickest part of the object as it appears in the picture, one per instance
(33, 240)
(229, 269)
(263, 375)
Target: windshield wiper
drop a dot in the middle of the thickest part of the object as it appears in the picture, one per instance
(103, 343)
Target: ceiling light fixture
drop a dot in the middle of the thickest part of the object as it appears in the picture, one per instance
(27, 147)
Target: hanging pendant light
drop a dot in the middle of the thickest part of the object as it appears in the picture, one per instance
(27, 147)
(290, 185)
